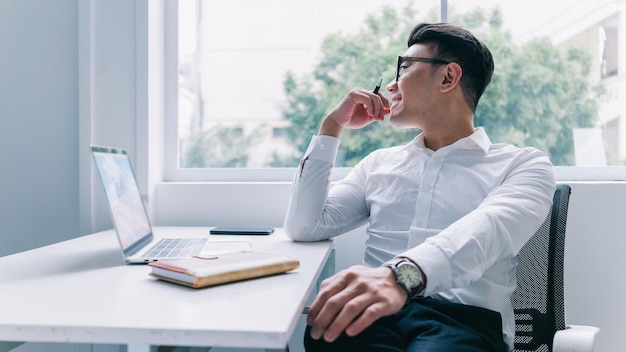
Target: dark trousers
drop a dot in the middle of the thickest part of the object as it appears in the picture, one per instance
(424, 324)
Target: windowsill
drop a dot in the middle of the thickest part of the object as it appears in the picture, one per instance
(590, 174)
(236, 199)
(264, 203)
(285, 175)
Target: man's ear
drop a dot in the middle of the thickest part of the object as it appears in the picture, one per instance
(452, 76)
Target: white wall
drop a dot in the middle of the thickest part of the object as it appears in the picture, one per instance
(39, 130)
(594, 261)
(107, 95)
(68, 79)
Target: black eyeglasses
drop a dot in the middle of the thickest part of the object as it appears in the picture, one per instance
(402, 59)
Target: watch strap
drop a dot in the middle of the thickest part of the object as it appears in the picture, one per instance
(394, 263)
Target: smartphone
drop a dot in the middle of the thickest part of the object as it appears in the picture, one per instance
(242, 231)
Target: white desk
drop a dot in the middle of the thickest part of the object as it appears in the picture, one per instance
(80, 291)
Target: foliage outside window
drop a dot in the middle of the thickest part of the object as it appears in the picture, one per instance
(539, 94)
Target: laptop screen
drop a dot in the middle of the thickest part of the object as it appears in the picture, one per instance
(126, 206)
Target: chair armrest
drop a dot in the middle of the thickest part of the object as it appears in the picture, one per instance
(575, 338)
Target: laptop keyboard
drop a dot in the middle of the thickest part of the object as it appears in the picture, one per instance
(177, 247)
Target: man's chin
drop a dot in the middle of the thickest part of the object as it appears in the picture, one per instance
(398, 122)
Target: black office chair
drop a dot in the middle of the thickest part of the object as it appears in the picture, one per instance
(538, 301)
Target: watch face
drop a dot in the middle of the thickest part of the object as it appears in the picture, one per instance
(409, 275)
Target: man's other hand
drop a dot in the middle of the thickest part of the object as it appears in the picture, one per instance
(352, 300)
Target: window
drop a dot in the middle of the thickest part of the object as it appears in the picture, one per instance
(252, 88)
(608, 51)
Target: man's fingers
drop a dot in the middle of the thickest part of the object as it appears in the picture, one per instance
(333, 297)
(352, 300)
(371, 102)
(377, 110)
(372, 313)
(328, 288)
(348, 313)
(328, 315)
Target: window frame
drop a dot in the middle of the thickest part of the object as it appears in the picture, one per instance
(173, 173)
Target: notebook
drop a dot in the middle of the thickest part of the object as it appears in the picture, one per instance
(223, 268)
(129, 213)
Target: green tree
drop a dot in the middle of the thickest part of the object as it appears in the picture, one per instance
(217, 146)
(537, 95)
(349, 60)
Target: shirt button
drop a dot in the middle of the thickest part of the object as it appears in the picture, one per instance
(427, 188)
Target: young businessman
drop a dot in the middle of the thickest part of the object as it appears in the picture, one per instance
(446, 214)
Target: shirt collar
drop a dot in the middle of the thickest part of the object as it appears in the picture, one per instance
(479, 139)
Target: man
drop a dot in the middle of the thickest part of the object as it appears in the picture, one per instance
(446, 214)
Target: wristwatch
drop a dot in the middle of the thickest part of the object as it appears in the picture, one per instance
(408, 275)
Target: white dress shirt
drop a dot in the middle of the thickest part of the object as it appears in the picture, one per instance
(462, 213)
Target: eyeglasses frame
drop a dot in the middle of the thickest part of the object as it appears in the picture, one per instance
(402, 59)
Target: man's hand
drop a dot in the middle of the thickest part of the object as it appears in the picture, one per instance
(352, 300)
(358, 108)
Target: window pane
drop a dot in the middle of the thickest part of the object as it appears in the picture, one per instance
(256, 77)
(557, 83)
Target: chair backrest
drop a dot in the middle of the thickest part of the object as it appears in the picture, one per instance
(538, 300)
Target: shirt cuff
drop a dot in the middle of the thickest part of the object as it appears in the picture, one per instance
(323, 148)
(434, 265)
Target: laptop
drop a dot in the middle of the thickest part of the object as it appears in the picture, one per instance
(129, 213)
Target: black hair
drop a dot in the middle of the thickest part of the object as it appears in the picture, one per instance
(455, 44)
